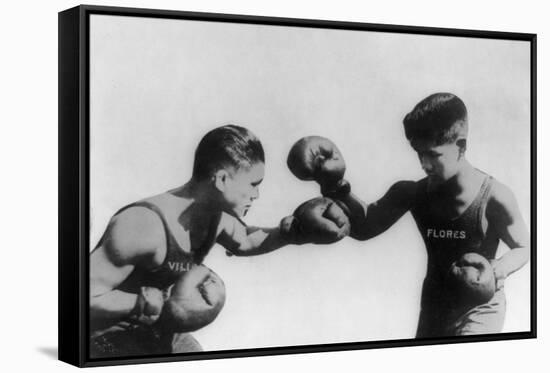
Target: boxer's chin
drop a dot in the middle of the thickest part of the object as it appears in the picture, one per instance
(245, 210)
(234, 211)
(238, 213)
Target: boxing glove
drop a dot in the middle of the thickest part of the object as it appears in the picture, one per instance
(472, 280)
(317, 158)
(194, 301)
(320, 220)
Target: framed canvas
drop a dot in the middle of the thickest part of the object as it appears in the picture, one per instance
(234, 186)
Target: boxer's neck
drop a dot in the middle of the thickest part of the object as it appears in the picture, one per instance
(200, 192)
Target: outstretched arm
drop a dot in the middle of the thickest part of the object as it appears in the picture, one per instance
(319, 221)
(370, 220)
(503, 213)
(317, 158)
(240, 240)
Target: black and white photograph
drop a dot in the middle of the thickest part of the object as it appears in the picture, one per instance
(263, 185)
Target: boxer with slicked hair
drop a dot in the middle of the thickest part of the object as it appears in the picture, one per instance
(143, 271)
(461, 212)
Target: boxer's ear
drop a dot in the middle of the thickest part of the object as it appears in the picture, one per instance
(220, 179)
(461, 143)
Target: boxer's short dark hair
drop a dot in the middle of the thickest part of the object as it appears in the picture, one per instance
(226, 146)
(440, 118)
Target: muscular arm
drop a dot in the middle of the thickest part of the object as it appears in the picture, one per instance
(368, 221)
(241, 240)
(133, 238)
(503, 213)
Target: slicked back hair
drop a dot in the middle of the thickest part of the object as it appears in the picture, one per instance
(226, 146)
(441, 118)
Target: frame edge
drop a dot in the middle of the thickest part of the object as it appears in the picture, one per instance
(69, 150)
(72, 136)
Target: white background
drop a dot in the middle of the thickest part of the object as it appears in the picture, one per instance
(157, 86)
(29, 158)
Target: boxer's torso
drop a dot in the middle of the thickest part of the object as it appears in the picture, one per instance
(187, 241)
(447, 239)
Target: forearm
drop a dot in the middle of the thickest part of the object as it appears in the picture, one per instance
(112, 305)
(510, 262)
(368, 220)
(356, 210)
(260, 241)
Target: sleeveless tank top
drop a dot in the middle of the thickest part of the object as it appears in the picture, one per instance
(447, 239)
(178, 259)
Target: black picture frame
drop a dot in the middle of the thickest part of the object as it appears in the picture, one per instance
(74, 180)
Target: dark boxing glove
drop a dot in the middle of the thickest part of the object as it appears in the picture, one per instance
(319, 220)
(472, 280)
(317, 158)
(193, 302)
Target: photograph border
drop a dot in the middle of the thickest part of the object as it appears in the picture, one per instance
(74, 191)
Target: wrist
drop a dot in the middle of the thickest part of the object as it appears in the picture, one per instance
(148, 306)
(337, 190)
(499, 275)
(290, 232)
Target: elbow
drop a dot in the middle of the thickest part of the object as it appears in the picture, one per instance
(523, 252)
(96, 304)
(93, 300)
(95, 309)
(526, 254)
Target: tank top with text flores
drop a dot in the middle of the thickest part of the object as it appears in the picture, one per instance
(178, 259)
(447, 239)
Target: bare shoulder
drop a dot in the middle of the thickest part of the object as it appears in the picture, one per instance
(501, 193)
(500, 190)
(502, 203)
(132, 234)
(504, 214)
